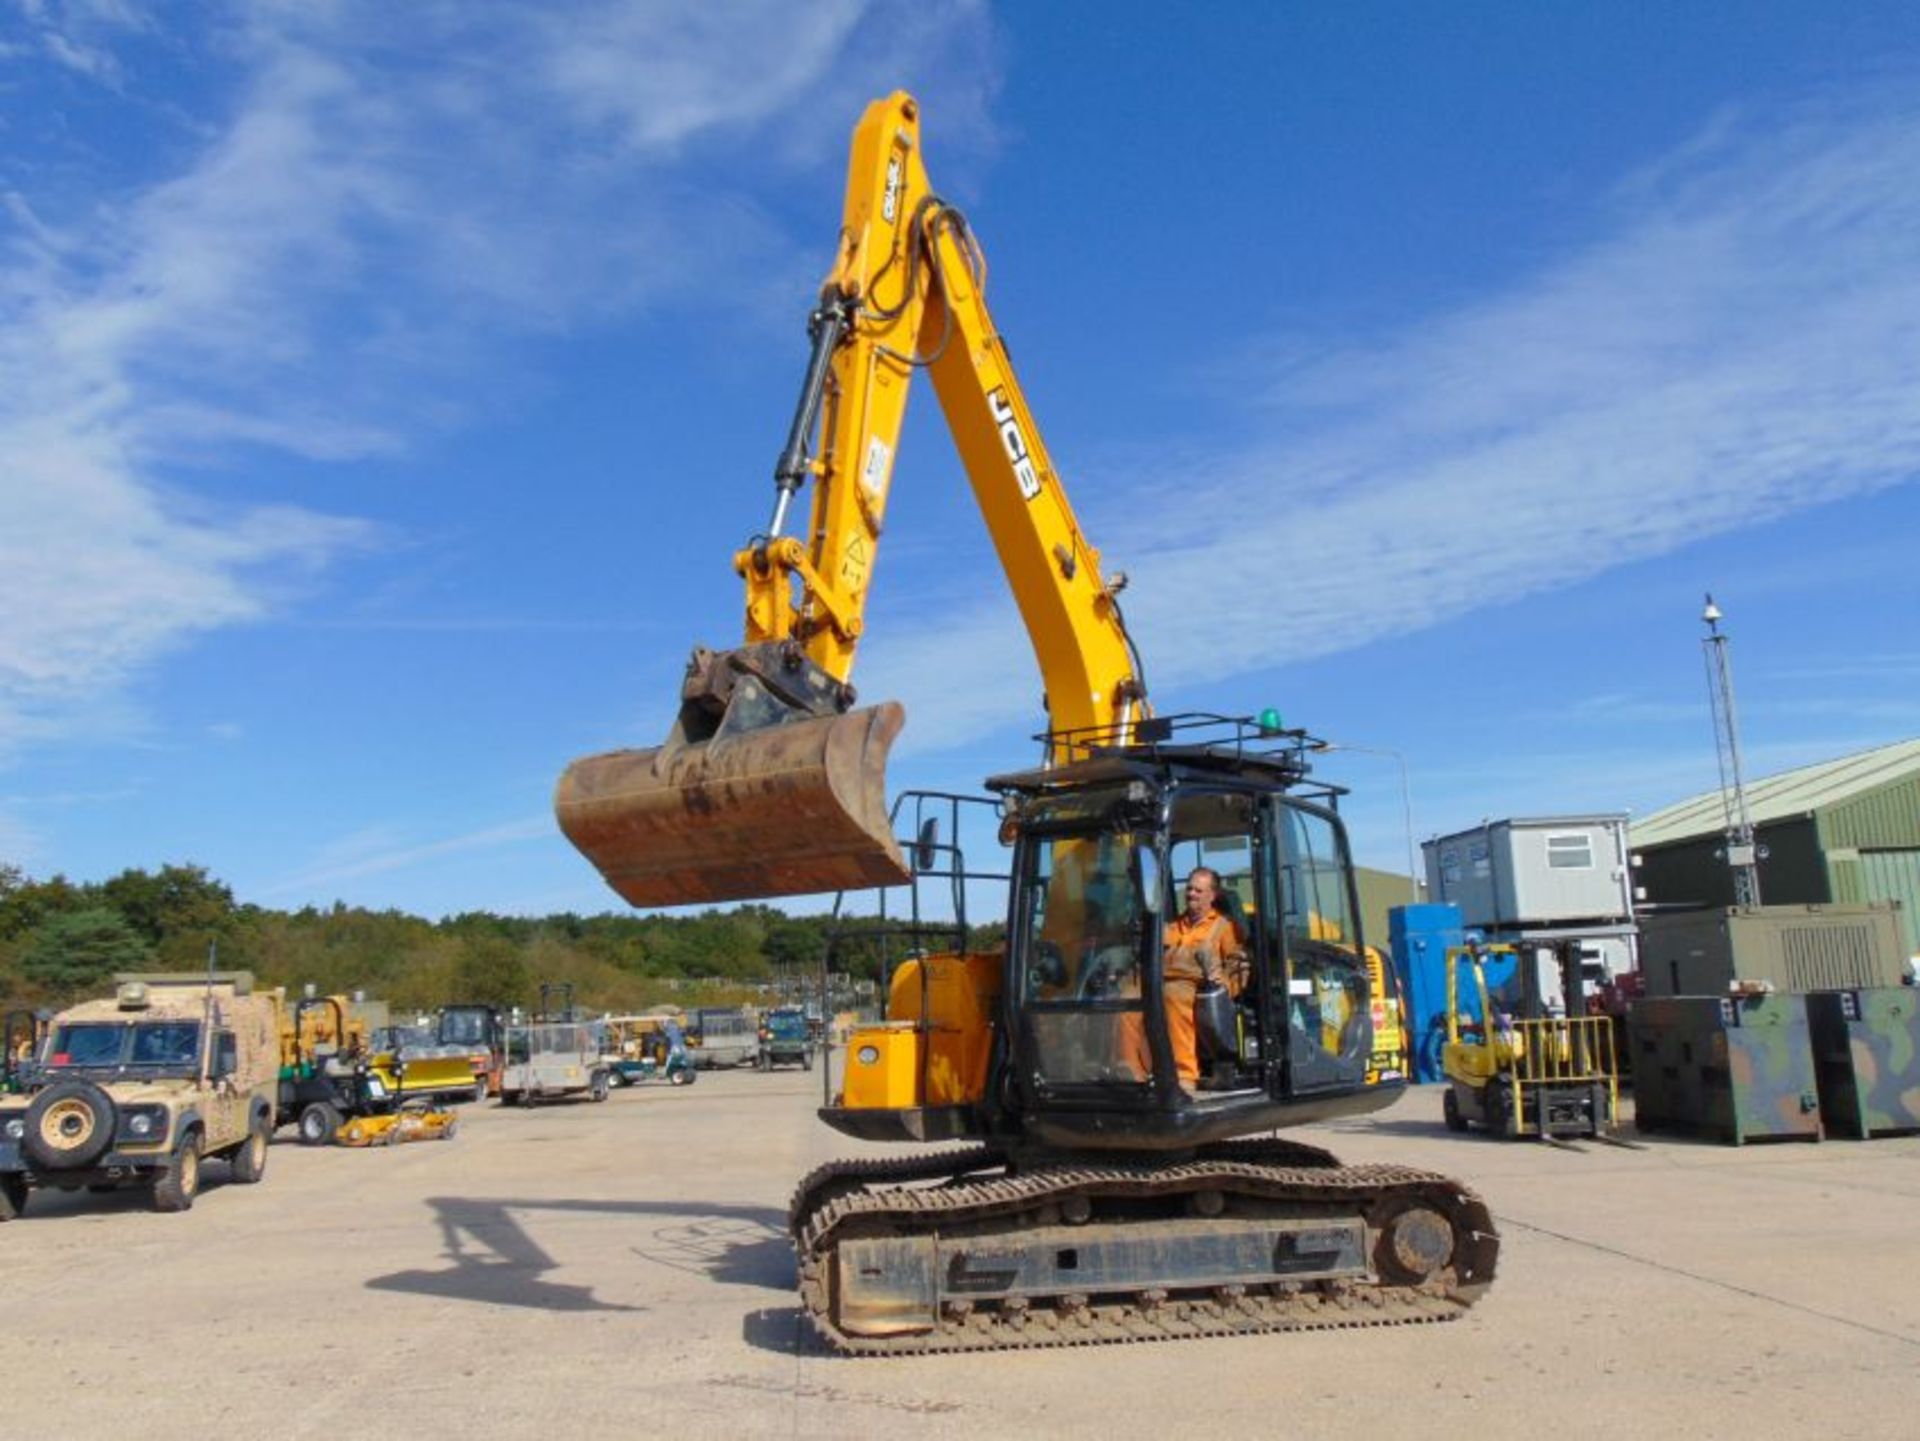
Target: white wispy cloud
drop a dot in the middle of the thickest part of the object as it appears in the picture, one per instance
(1739, 340)
(359, 210)
(378, 851)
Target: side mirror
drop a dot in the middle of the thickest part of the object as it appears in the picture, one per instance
(226, 1057)
(926, 849)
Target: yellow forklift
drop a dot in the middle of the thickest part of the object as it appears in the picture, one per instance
(1547, 1076)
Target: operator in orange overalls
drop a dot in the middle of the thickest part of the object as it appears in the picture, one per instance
(1200, 944)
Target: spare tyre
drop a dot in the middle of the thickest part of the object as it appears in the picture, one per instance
(69, 1125)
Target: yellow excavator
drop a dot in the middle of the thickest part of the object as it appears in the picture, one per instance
(1122, 1182)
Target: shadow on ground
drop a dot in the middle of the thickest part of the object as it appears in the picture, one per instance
(494, 1261)
(784, 1330)
(1395, 1126)
(46, 1202)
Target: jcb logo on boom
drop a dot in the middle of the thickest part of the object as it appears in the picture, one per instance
(890, 202)
(1016, 443)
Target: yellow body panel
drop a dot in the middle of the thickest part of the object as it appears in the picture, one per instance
(333, 1028)
(883, 1067)
(432, 1075)
(953, 1000)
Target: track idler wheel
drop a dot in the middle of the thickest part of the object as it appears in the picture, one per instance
(1415, 1243)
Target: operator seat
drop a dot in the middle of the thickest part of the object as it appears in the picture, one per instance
(1219, 1035)
(1229, 904)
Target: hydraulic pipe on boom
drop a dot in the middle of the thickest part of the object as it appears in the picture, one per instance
(771, 782)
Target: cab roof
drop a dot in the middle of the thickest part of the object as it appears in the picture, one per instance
(1164, 764)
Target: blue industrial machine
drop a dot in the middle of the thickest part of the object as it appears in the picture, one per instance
(1420, 937)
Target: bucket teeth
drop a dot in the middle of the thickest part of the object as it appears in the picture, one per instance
(792, 808)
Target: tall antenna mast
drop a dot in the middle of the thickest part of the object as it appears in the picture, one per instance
(1743, 855)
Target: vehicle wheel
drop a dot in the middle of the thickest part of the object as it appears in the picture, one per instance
(1450, 1109)
(479, 1090)
(1500, 1120)
(806, 1061)
(318, 1122)
(250, 1161)
(763, 1062)
(176, 1186)
(683, 1077)
(13, 1195)
(600, 1088)
(68, 1125)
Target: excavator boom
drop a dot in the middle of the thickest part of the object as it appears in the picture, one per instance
(771, 783)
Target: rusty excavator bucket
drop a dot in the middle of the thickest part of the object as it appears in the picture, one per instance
(767, 786)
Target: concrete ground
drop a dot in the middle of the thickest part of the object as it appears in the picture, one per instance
(617, 1269)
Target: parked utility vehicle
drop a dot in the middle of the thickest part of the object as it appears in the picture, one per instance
(785, 1039)
(725, 1036)
(647, 1048)
(141, 1088)
(550, 1059)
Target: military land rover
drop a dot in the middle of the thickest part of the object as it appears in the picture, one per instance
(140, 1089)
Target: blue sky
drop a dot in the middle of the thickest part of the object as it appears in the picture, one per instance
(383, 391)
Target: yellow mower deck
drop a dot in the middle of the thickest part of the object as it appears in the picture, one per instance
(397, 1127)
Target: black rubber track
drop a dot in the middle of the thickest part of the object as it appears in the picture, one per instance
(931, 1193)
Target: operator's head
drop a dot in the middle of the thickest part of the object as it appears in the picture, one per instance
(1203, 888)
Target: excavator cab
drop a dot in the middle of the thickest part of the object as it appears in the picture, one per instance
(1082, 1041)
(1098, 1039)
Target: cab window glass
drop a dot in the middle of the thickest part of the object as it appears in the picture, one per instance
(87, 1045)
(167, 1043)
(1214, 831)
(1317, 905)
(1088, 919)
(1084, 918)
(1328, 994)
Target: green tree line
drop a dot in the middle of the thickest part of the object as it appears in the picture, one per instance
(60, 941)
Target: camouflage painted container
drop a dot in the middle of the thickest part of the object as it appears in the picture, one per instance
(1739, 1068)
(1866, 1049)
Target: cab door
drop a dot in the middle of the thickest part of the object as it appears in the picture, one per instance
(1323, 1002)
(226, 1100)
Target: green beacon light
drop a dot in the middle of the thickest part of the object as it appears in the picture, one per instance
(1270, 723)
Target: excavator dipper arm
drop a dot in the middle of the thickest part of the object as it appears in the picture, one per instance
(771, 783)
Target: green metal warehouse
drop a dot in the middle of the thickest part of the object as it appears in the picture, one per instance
(1842, 832)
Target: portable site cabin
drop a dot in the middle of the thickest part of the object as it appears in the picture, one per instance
(1535, 873)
